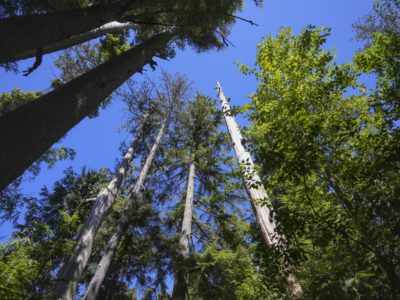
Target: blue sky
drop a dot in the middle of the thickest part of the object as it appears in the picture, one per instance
(96, 141)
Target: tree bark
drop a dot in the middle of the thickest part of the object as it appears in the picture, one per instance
(27, 132)
(110, 27)
(72, 269)
(97, 279)
(32, 32)
(181, 279)
(254, 186)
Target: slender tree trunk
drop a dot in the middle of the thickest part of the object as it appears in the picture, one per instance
(254, 186)
(110, 27)
(72, 269)
(181, 279)
(31, 32)
(97, 279)
(27, 132)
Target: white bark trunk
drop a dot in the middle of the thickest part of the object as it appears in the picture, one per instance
(254, 186)
(97, 279)
(188, 212)
(71, 271)
(181, 280)
(110, 27)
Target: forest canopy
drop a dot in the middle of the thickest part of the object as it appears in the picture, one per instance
(292, 194)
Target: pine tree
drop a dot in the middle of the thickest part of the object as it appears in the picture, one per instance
(174, 89)
(72, 269)
(203, 25)
(64, 107)
(60, 26)
(98, 277)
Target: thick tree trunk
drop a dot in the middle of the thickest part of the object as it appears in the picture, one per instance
(111, 27)
(72, 269)
(98, 277)
(181, 280)
(31, 32)
(29, 131)
(254, 186)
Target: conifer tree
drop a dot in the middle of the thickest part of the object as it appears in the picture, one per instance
(174, 89)
(73, 267)
(120, 228)
(202, 24)
(181, 280)
(44, 238)
(59, 26)
(200, 138)
(64, 107)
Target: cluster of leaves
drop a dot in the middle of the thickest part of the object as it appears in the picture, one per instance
(327, 152)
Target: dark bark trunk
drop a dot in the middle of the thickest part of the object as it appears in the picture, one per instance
(26, 133)
(110, 27)
(31, 32)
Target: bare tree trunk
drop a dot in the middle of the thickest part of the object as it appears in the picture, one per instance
(97, 279)
(110, 27)
(254, 186)
(29, 131)
(181, 279)
(37, 31)
(72, 269)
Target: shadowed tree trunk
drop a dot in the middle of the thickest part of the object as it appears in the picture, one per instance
(97, 279)
(111, 27)
(38, 31)
(72, 269)
(181, 279)
(254, 186)
(27, 132)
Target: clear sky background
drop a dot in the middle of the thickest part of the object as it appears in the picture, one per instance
(96, 141)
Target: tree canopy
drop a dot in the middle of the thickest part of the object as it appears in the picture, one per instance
(292, 195)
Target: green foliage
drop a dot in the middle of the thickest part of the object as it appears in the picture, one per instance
(327, 160)
(384, 18)
(76, 61)
(15, 99)
(113, 44)
(42, 242)
(18, 269)
(226, 274)
(382, 57)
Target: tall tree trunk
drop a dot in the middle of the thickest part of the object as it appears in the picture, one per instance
(37, 31)
(254, 186)
(29, 131)
(72, 269)
(110, 27)
(181, 279)
(97, 279)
